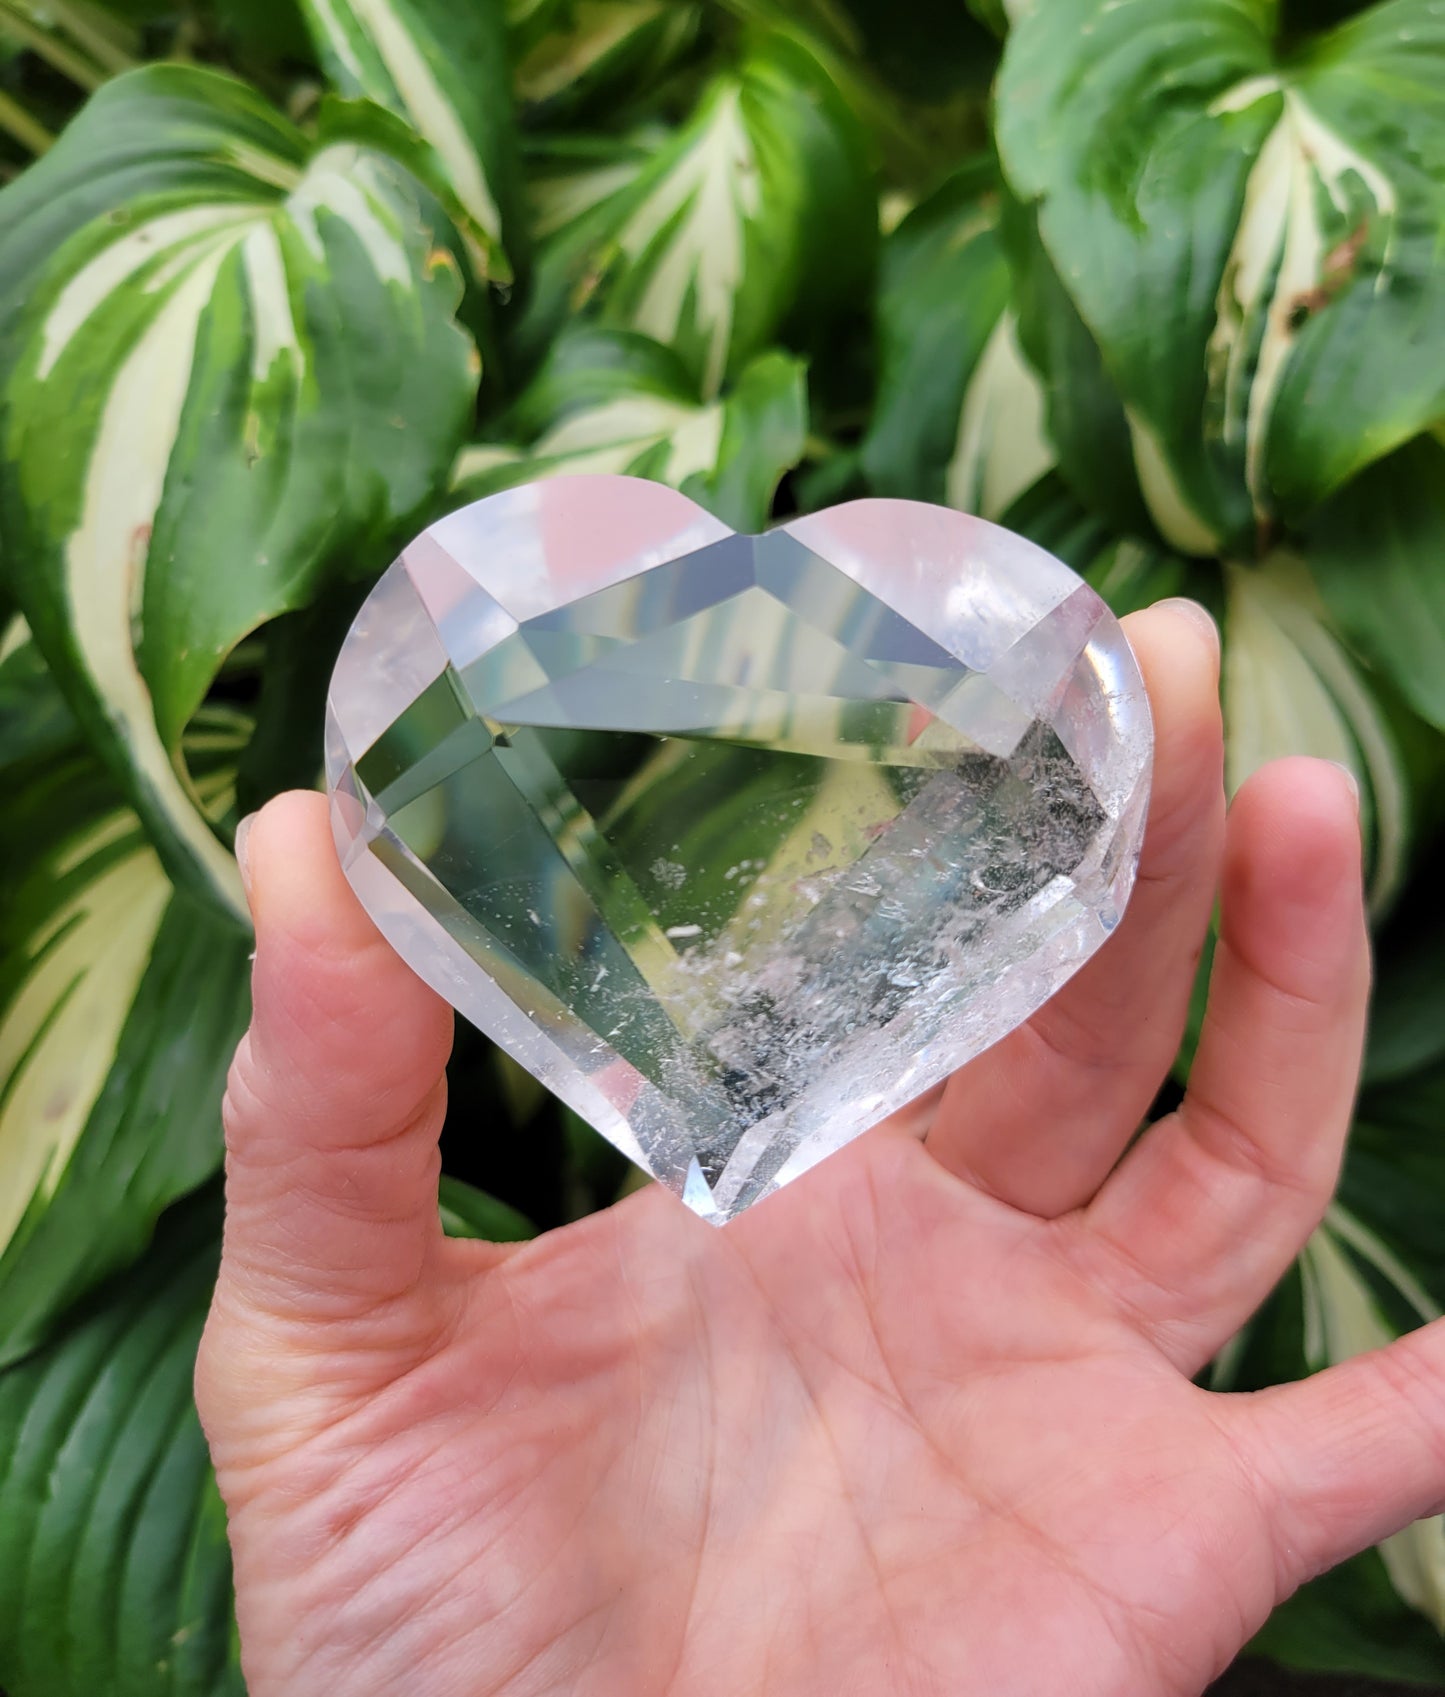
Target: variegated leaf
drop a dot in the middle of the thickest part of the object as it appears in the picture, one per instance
(1131, 574)
(573, 180)
(1290, 687)
(469, 1212)
(574, 186)
(1377, 553)
(1346, 1270)
(1002, 447)
(120, 1002)
(610, 401)
(83, 42)
(442, 67)
(35, 723)
(572, 55)
(1251, 236)
(995, 15)
(1083, 416)
(112, 1532)
(228, 364)
(756, 219)
(959, 416)
(1050, 514)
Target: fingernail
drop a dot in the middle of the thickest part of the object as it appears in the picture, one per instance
(1351, 780)
(1198, 616)
(243, 831)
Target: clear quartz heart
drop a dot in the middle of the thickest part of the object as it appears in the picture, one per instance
(738, 843)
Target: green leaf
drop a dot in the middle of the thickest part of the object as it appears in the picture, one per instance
(443, 68)
(35, 724)
(1394, 1173)
(764, 432)
(1050, 514)
(120, 1004)
(1083, 416)
(573, 188)
(469, 1212)
(1407, 1007)
(594, 1172)
(71, 37)
(610, 401)
(1289, 687)
(1251, 237)
(959, 416)
(1374, 1270)
(575, 56)
(928, 50)
(571, 178)
(994, 15)
(227, 366)
(1377, 553)
(259, 32)
(1360, 1296)
(757, 219)
(112, 1534)
(1130, 574)
(1352, 1620)
(525, 1094)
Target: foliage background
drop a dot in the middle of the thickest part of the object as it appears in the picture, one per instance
(1157, 282)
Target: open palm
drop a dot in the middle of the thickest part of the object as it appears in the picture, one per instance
(922, 1423)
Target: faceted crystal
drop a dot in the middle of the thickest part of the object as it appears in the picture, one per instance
(737, 842)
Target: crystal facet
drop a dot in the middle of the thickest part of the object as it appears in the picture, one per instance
(738, 843)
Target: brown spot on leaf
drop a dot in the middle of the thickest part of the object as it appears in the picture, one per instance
(1304, 306)
(1342, 258)
(1338, 270)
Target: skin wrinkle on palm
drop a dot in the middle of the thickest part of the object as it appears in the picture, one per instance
(634, 1454)
(1087, 219)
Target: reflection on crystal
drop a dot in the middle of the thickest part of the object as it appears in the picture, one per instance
(732, 852)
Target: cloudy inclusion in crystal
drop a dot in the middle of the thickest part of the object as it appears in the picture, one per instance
(738, 843)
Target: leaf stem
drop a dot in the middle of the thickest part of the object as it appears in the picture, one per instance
(93, 31)
(56, 53)
(15, 121)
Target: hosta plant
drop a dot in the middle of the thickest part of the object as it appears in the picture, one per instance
(1160, 283)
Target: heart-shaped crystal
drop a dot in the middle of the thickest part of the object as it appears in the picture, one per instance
(737, 842)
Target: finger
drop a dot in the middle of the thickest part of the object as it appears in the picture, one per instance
(1209, 1209)
(335, 1099)
(1350, 1456)
(1041, 1118)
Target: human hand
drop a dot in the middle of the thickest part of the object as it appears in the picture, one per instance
(922, 1423)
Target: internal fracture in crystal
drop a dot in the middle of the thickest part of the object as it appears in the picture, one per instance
(738, 843)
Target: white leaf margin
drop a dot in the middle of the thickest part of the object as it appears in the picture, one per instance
(1278, 257)
(1289, 687)
(598, 29)
(179, 255)
(1343, 1319)
(1003, 447)
(424, 101)
(60, 1027)
(611, 438)
(705, 197)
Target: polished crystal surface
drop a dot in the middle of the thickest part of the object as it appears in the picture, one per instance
(737, 842)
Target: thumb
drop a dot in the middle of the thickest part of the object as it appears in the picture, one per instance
(336, 1096)
(1352, 1455)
